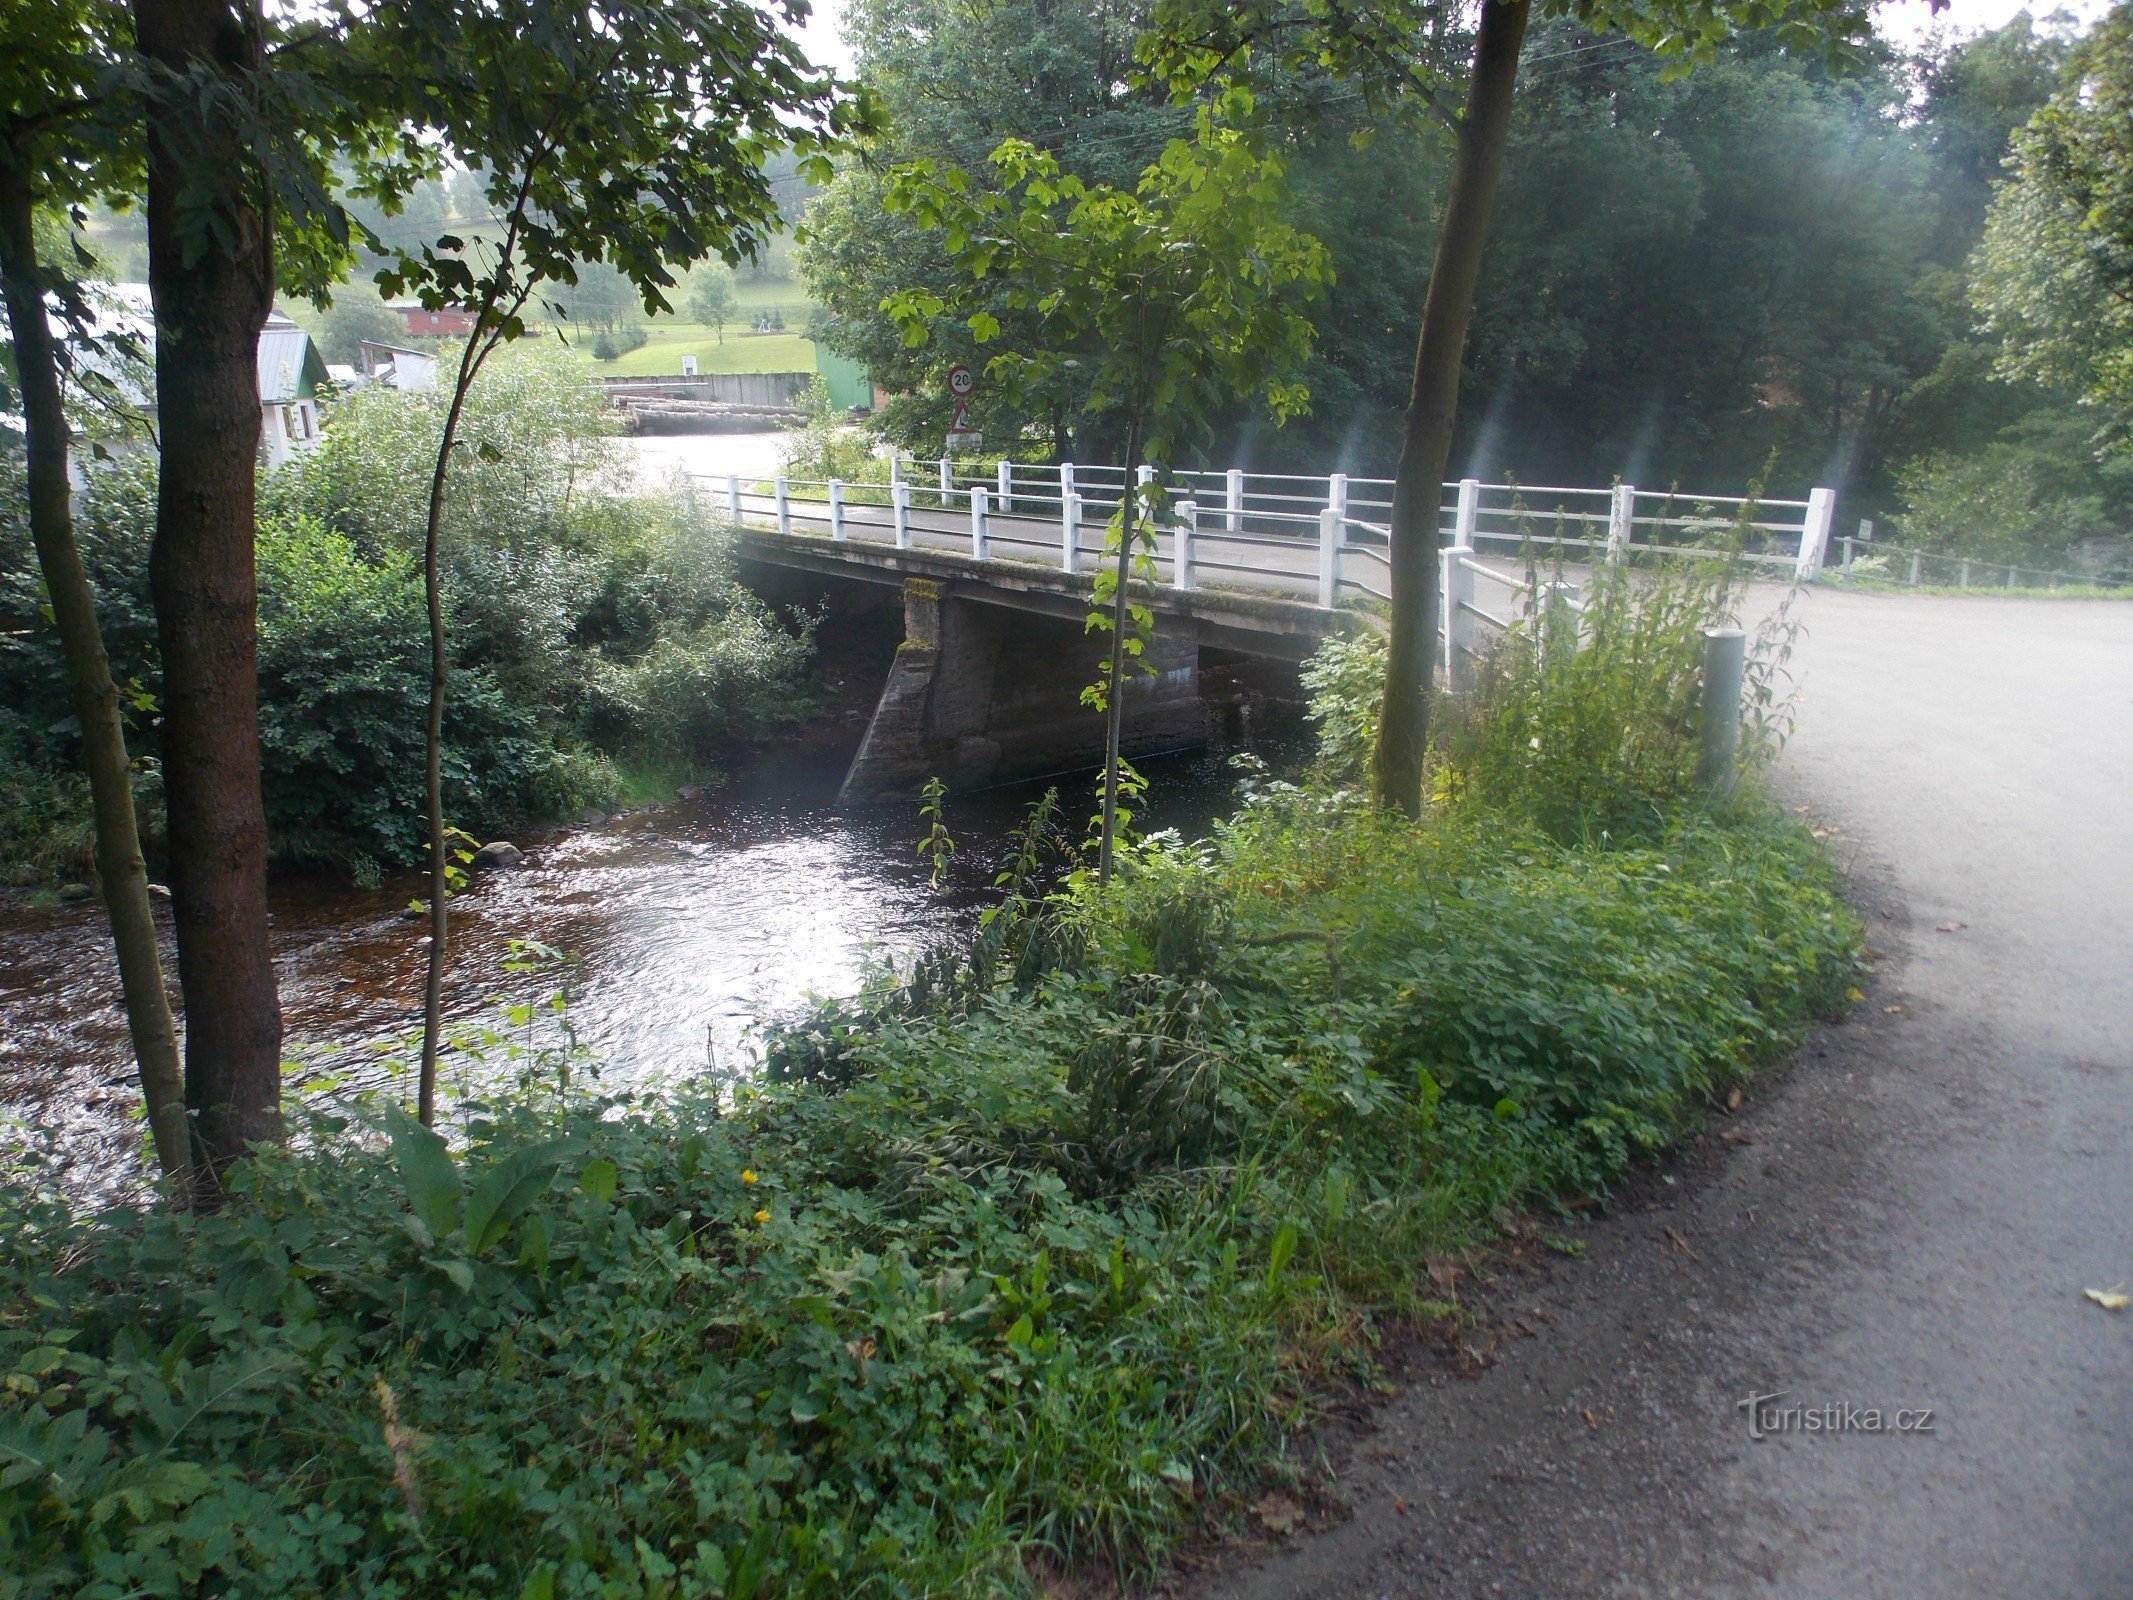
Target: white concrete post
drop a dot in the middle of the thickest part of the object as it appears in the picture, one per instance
(733, 496)
(836, 509)
(1329, 558)
(1468, 513)
(1233, 488)
(1621, 521)
(896, 468)
(784, 510)
(978, 530)
(1914, 568)
(947, 479)
(1847, 543)
(1069, 532)
(1964, 581)
(1814, 532)
(1188, 529)
(1337, 493)
(1066, 481)
(900, 502)
(1007, 486)
(1459, 620)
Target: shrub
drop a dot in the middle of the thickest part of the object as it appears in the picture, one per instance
(344, 686)
(560, 578)
(693, 691)
(1041, 1273)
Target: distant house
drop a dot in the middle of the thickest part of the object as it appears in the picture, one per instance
(290, 372)
(423, 323)
(411, 371)
(289, 367)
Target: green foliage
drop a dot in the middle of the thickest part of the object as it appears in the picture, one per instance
(2054, 275)
(1168, 298)
(2029, 496)
(938, 845)
(951, 80)
(1345, 679)
(711, 300)
(353, 318)
(588, 621)
(695, 692)
(1044, 1274)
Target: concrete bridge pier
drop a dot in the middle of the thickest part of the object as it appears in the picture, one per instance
(981, 694)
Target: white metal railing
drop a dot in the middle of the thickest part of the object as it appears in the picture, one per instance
(1322, 540)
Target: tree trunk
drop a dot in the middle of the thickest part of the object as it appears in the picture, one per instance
(433, 757)
(211, 299)
(1433, 403)
(96, 703)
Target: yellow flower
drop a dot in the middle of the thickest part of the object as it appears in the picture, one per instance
(747, 1176)
(762, 1216)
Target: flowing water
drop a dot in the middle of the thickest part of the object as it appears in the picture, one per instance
(691, 925)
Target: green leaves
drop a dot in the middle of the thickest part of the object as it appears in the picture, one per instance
(507, 1191)
(428, 1174)
(1187, 290)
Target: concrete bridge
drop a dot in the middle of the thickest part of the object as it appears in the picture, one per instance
(997, 569)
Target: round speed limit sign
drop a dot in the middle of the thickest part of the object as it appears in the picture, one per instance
(960, 382)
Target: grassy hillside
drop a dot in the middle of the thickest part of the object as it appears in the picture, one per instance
(741, 352)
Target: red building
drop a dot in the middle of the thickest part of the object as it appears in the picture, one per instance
(425, 323)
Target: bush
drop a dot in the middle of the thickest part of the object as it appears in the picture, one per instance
(344, 694)
(1045, 1271)
(693, 691)
(2026, 499)
(574, 604)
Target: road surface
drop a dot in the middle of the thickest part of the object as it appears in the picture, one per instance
(1907, 1218)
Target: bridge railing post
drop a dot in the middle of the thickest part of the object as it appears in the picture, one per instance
(947, 480)
(1329, 557)
(1070, 533)
(784, 510)
(836, 492)
(978, 531)
(1914, 568)
(733, 497)
(1814, 533)
(1337, 493)
(1066, 480)
(1458, 621)
(1466, 514)
(1007, 486)
(1188, 529)
(1621, 521)
(1233, 495)
(900, 510)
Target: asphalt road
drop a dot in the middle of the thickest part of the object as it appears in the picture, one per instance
(1906, 1218)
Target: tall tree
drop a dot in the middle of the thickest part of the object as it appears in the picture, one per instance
(1187, 289)
(211, 272)
(2054, 277)
(58, 149)
(607, 150)
(1394, 50)
(952, 79)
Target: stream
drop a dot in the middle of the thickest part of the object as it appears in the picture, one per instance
(689, 926)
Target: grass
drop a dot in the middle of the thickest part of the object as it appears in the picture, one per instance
(1033, 1255)
(2069, 591)
(741, 352)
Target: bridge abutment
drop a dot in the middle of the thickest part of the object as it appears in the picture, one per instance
(981, 694)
